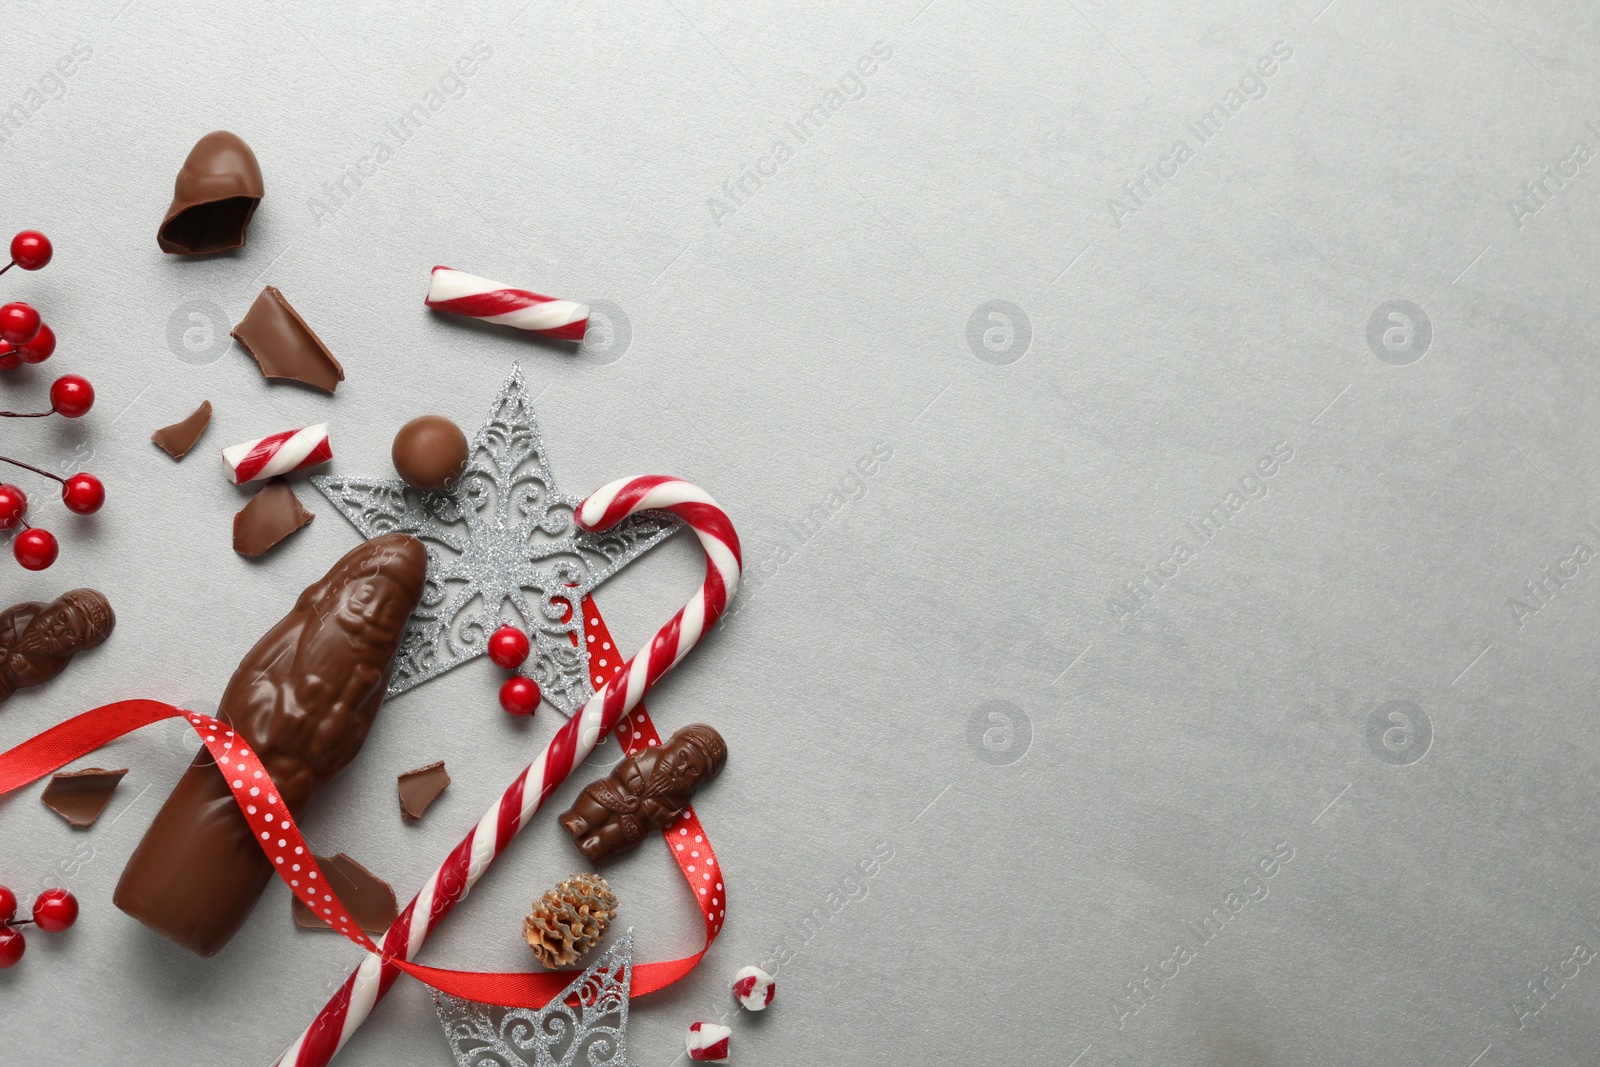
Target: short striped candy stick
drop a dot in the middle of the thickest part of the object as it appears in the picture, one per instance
(278, 453)
(461, 293)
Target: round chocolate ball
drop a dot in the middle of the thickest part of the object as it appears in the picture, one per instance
(430, 452)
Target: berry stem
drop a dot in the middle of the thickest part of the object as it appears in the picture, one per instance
(8, 266)
(15, 922)
(26, 414)
(31, 467)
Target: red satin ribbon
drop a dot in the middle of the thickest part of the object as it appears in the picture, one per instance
(279, 837)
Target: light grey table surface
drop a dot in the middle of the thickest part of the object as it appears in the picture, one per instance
(1072, 745)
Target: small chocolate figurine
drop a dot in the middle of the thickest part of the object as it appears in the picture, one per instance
(644, 792)
(37, 641)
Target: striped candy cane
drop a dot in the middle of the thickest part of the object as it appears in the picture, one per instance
(467, 862)
(278, 453)
(461, 293)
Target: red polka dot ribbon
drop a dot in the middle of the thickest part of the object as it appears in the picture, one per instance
(278, 836)
(690, 846)
(274, 828)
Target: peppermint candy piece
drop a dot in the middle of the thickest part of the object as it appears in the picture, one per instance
(278, 453)
(708, 1042)
(753, 988)
(461, 293)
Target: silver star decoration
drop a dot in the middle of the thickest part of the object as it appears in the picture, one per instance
(592, 1031)
(504, 535)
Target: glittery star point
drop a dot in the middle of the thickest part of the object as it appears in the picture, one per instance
(504, 535)
(590, 1031)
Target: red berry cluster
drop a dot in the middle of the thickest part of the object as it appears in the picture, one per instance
(508, 647)
(24, 338)
(54, 910)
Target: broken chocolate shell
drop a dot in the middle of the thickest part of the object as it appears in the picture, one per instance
(272, 515)
(181, 436)
(369, 898)
(283, 346)
(420, 788)
(80, 796)
(213, 199)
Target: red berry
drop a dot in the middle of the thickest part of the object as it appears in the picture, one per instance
(520, 696)
(83, 493)
(72, 395)
(10, 356)
(8, 905)
(18, 323)
(35, 549)
(39, 349)
(31, 249)
(13, 505)
(508, 647)
(12, 946)
(55, 910)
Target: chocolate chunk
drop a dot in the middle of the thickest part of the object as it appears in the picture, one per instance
(421, 787)
(369, 898)
(304, 699)
(178, 438)
(37, 641)
(80, 796)
(283, 346)
(272, 514)
(644, 792)
(213, 199)
(430, 452)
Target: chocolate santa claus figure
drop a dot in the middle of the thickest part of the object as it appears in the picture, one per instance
(38, 640)
(644, 792)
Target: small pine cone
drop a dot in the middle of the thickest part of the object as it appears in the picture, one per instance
(570, 920)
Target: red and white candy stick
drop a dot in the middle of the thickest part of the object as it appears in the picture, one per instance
(278, 453)
(461, 293)
(467, 862)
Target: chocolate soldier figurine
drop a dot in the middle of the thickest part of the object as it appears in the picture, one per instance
(37, 641)
(644, 792)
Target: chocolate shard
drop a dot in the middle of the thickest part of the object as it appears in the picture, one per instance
(37, 641)
(420, 788)
(283, 346)
(213, 198)
(369, 898)
(644, 792)
(304, 699)
(80, 796)
(181, 436)
(272, 515)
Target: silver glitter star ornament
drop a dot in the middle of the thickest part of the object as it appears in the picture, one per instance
(504, 535)
(591, 1031)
